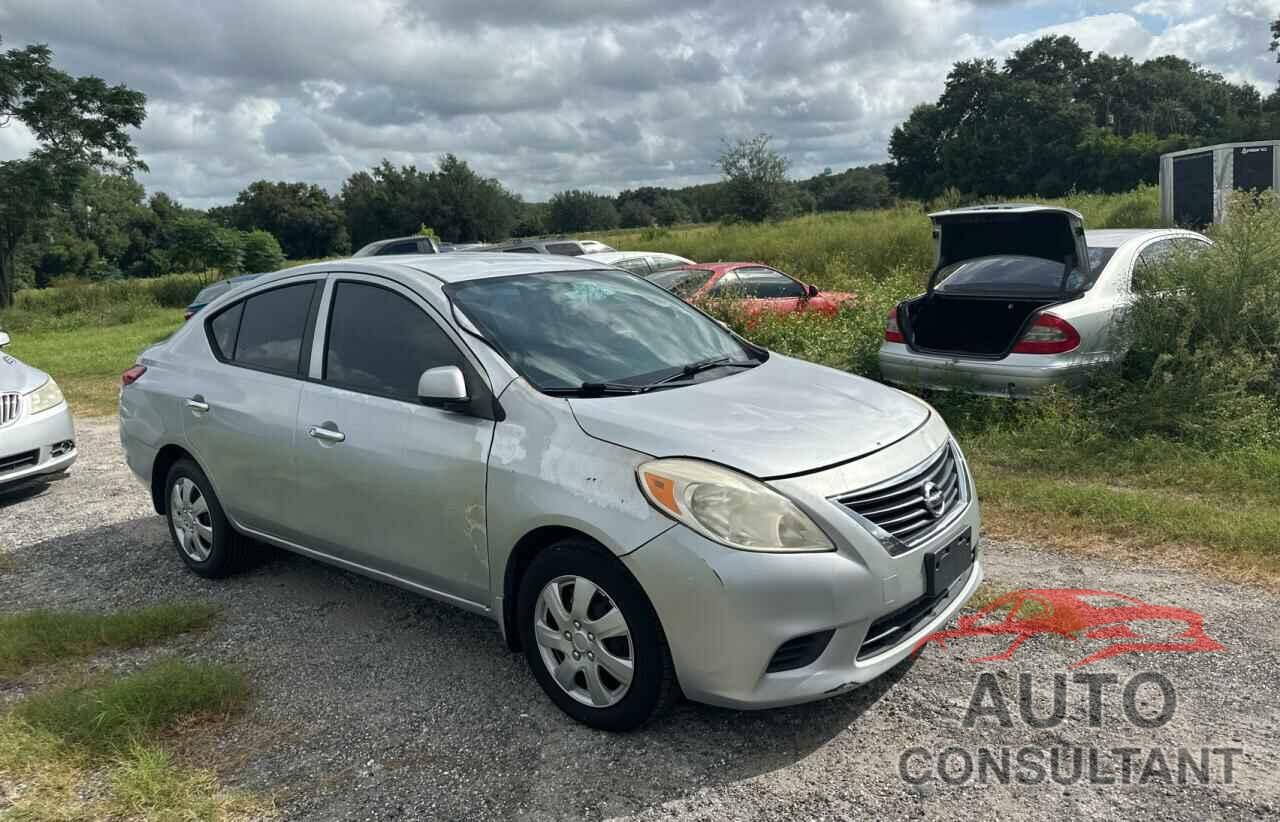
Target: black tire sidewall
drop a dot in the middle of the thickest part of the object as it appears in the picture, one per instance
(651, 658)
(221, 560)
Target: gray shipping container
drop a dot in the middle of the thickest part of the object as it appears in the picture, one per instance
(1195, 183)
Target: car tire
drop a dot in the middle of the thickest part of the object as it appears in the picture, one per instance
(201, 532)
(593, 695)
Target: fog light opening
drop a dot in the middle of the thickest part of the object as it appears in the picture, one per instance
(59, 449)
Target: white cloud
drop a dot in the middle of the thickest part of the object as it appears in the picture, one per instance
(550, 94)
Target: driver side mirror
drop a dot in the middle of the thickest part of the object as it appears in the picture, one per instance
(810, 291)
(4, 339)
(443, 386)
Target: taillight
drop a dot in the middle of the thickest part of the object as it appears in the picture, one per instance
(891, 331)
(1048, 334)
(131, 376)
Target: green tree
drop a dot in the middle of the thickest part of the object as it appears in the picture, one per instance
(261, 251)
(470, 208)
(79, 123)
(199, 245)
(303, 217)
(577, 210)
(755, 177)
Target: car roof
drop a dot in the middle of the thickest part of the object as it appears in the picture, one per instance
(1006, 208)
(453, 268)
(1116, 237)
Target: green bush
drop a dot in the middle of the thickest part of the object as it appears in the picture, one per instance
(262, 252)
(69, 304)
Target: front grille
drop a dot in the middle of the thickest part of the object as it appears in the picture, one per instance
(799, 652)
(10, 407)
(899, 505)
(15, 462)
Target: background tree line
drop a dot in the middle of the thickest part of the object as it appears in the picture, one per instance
(1056, 118)
(1053, 118)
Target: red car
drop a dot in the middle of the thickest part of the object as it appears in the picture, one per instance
(758, 287)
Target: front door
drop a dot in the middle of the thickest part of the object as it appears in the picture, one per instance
(383, 480)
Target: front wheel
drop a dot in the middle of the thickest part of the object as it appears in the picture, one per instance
(592, 638)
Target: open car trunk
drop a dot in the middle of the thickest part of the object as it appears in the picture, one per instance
(976, 326)
(996, 266)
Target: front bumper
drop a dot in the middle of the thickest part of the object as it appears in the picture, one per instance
(35, 446)
(727, 612)
(1017, 375)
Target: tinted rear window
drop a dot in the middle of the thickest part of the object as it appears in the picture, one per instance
(272, 327)
(224, 328)
(1011, 274)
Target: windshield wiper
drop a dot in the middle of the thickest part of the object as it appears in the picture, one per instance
(698, 367)
(595, 388)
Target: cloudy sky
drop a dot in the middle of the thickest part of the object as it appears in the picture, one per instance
(552, 94)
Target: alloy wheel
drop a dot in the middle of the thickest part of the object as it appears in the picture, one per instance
(584, 640)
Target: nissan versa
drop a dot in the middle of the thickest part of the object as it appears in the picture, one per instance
(645, 503)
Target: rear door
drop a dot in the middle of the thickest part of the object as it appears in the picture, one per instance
(383, 480)
(241, 412)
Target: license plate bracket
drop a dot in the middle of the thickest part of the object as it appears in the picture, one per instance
(947, 564)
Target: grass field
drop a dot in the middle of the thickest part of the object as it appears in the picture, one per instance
(1043, 476)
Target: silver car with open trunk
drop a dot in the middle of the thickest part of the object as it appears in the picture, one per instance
(645, 503)
(1021, 298)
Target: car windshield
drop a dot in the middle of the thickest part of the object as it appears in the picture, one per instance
(1016, 274)
(563, 329)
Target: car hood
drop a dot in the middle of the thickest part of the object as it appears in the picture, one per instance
(781, 418)
(16, 375)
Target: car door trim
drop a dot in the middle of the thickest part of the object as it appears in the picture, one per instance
(365, 570)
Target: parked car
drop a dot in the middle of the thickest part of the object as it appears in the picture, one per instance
(563, 246)
(37, 435)
(211, 292)
(644, 502)
(414, 244)
(757, 287)
(1021, 298)
(643, 263)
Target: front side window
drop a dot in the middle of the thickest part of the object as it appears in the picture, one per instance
(380, 343)
(272, 328)
(766, 284)
(563, 329)
(564, 249)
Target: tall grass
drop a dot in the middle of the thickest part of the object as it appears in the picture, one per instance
(70, 304)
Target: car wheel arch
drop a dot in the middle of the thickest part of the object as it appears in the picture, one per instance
(164, 460)
(521, 557)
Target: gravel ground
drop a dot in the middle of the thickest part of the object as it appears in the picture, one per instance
(372, 703)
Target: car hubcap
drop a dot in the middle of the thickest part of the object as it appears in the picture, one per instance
(584, 641)
(192, 524)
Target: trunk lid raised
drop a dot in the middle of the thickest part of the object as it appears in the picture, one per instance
(1049, 232)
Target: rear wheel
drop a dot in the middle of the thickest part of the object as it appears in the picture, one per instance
(592, 638)
(201, 532)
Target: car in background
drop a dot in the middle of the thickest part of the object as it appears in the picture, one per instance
(645, 503)
(643, 263)
(756, 288)
(212, 292)
(1021, 298)
(563, 246)
(37, 435)
(414, 244)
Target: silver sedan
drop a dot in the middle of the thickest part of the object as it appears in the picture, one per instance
(645, 503)
(37, 437)
(1021, 298)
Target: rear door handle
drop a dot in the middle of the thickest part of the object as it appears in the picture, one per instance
(197, 403)
(326, 434)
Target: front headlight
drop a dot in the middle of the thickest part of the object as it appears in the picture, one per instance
(45, 397)
(730, 508)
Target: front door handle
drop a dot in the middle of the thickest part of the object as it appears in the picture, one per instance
(197, 403)
(326, 434)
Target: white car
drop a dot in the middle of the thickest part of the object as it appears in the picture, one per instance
(643, 263)
(37, 436)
